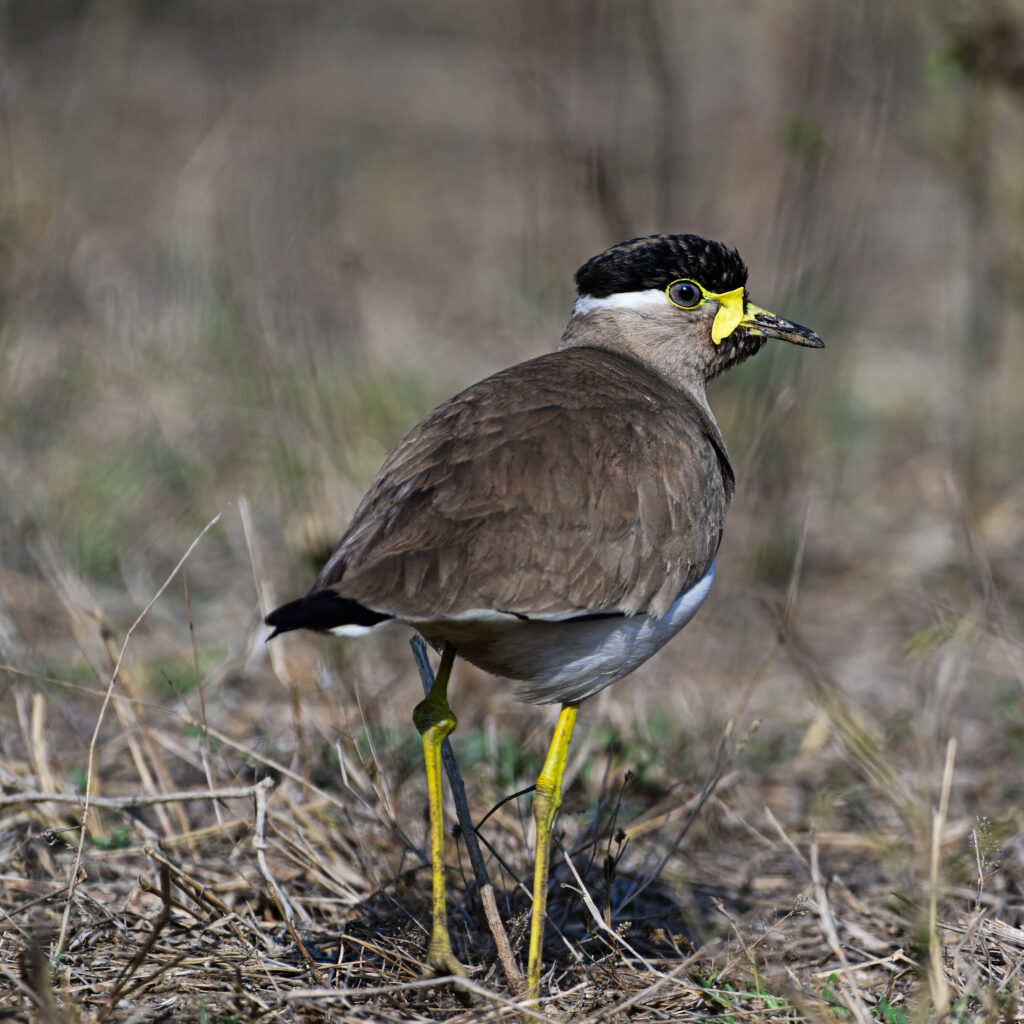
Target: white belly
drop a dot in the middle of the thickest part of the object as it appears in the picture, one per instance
(564, 660)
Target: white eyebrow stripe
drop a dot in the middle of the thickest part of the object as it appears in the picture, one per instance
(651, 297)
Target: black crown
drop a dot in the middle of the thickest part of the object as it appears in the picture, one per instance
(658, 260)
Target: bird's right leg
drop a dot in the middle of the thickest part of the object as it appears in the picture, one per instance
(435, 719)
(547, 798)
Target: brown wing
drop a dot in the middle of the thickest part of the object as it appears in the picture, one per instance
(576, 482)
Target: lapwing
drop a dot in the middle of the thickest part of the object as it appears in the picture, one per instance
(557, 523)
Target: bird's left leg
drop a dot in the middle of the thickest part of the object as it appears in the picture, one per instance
(435, 719)
(547, 798)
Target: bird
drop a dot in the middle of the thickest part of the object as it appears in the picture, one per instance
(557, 523)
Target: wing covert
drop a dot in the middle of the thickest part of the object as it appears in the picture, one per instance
(510, 498)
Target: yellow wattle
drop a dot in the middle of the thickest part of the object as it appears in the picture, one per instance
(729, 315)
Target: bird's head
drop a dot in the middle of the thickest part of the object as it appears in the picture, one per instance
(677, 302)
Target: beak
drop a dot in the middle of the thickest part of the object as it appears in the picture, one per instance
(734, 312)
(759, 321)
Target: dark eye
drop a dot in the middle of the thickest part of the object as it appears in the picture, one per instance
(685, 293)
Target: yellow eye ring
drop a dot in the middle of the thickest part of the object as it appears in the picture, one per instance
(686, 293)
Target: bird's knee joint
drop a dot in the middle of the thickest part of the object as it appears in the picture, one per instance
(434, 715)
(547, 798)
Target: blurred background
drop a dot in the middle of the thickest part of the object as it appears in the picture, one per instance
(246, 245)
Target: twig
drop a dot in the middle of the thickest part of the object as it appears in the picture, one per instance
(483, 881)
(159, 924)
(879, 961)
(784, 836)
(723, 758)
(599, 918)
(793, 589)
(850, 997)
(202, 896)
(66, 918)
(825, 916)
(455, 980)
(205, 748)
(615, 1011)
(36, 983)
(133, 800)
(259, 842)
(937, 985)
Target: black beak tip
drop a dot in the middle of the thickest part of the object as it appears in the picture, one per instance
(786, 330)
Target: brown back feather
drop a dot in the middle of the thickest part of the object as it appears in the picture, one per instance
(577, 482)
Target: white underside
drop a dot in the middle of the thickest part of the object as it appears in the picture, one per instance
(352, 630)
(559, 660)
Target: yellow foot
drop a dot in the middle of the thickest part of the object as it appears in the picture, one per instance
(442, 963)
(441, 960)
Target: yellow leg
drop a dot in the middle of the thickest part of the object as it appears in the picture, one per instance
(547, 798)
(435, 719)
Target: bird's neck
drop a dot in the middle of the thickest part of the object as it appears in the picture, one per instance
(657, 347)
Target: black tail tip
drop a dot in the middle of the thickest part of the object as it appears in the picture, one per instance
(286, 618)
(322, 610)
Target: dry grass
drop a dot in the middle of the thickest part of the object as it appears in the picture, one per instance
(233, 870)
(246, 246)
